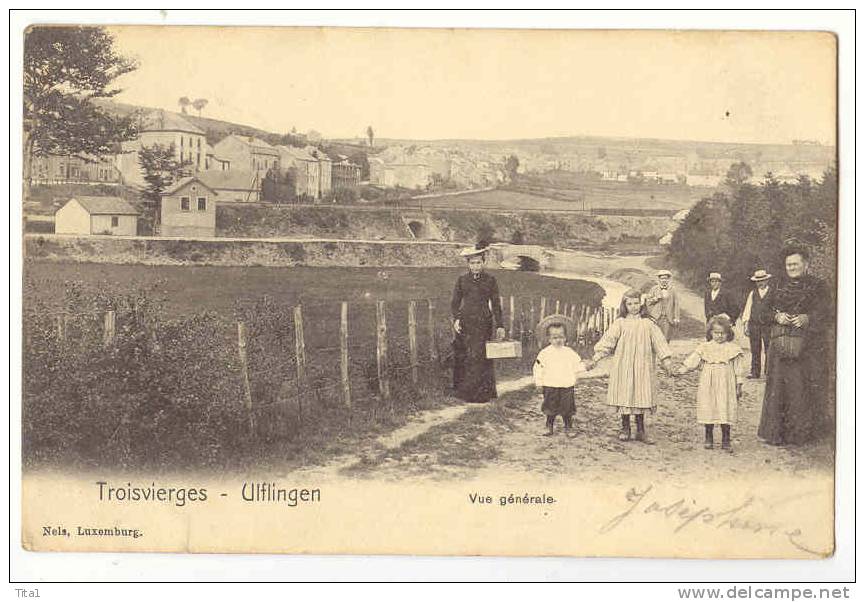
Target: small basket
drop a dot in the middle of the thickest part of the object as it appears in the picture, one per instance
(497, 350)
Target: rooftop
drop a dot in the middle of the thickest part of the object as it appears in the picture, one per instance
(229, 180)
(167, 121)
(105, 205)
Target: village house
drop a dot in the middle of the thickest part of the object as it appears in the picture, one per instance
(406, 175)
(325, 172)
(234, 186)
(52, 170)
(166, 129)
(345, 174)
(247, 153)
(306, 168)
(188, 208)
(86, 215)
(213, 162)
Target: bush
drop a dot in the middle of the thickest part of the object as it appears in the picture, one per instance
(740, 232)
(165, 394)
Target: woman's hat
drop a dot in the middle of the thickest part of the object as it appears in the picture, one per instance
(541, 328)
(667, 273)
(715, 276)
(479, 249)
(760, 276)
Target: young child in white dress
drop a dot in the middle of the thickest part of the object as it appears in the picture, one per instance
(555, 371)
(636, 343)
(722, 363)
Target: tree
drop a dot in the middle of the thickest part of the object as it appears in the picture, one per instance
(512, 163)
(65, 68)
(161, 169)
(279, 185)
(199, 103)
(370, 134)
(738, 174)
(184, 102)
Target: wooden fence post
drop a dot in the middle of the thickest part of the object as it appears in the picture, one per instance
(343, 357)
(433, 348)
(108, 328)
(412, 339)
(511, 319)
(381, 349)
(543, 311)
(300, 359)
(558, 306)
(61, 327)
(244, 370)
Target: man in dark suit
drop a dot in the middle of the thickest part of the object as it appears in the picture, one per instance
(718, 301)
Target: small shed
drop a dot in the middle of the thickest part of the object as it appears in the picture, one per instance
(107, 215)
(188, 209)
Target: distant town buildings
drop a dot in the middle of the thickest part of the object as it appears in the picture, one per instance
(88, 215)
(74, 169)
(306, 169)
(247, 153)
(345, 174)
(165, 129)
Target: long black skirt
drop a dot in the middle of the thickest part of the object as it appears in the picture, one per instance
(474, 375)
(792, 399)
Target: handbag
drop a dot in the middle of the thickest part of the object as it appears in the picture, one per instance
(786, 341)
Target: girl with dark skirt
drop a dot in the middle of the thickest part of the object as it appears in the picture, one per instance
(477, 310)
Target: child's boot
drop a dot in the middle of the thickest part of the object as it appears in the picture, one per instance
(569, 427)
(625, 433)
(710, 436)
(550, 422)
(726, 445)
(642, 436)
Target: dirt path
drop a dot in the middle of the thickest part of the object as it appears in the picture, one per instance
(487, 442)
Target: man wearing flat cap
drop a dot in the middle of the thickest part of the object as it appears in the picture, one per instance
(756, 326)
(662, 303)
(718, 301)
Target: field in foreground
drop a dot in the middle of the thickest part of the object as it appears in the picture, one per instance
(191, 289)
(171, 389)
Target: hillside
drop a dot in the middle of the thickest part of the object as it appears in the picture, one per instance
(215, 129)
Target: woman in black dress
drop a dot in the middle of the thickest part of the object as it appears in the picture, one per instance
(801, 314)
(476, 309)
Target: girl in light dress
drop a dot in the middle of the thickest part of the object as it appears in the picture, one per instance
(723, 365)
(635, 342)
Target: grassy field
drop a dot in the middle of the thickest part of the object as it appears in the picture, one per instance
(188, 290)
(542, 195)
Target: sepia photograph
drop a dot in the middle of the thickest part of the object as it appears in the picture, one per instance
(429, 291)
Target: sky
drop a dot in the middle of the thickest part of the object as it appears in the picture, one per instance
(757, 87)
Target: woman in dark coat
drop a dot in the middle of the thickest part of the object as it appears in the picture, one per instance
(800, 308)
(476, 309)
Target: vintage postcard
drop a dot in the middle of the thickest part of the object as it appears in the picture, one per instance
(503, 292)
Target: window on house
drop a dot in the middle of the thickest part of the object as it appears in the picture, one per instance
(184, 203)
(115, 221)
(202, 203)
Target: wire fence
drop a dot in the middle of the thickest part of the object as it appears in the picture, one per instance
(273, 372)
